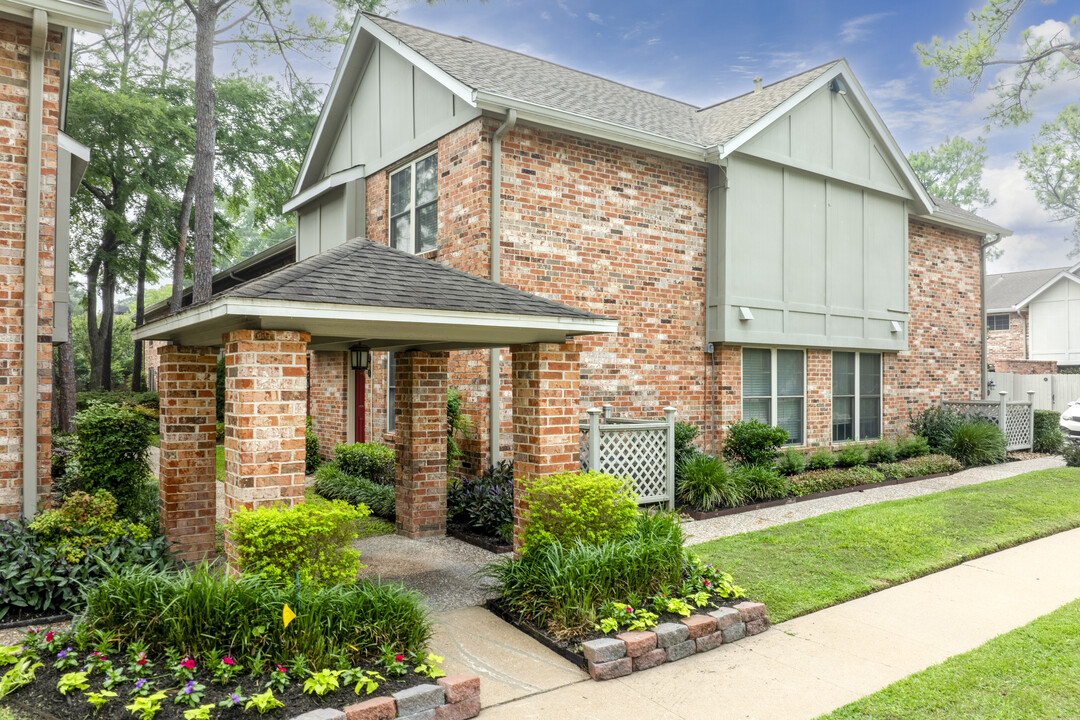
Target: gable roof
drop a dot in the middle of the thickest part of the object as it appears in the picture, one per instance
(957, 216)
(1006, 292)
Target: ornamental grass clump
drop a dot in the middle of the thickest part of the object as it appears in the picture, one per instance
(705, 483)
(976, 442)
(760, 483)
(333, 483)
(592, 507)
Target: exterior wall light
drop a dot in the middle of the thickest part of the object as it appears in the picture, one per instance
(360, 358)
(838, 86)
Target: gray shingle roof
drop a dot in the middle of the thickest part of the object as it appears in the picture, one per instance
(947, 210)
(362, 272)
(1005, 290)
(505, 72)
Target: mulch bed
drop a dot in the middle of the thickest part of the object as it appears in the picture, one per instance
(485, 542)
(41, 701)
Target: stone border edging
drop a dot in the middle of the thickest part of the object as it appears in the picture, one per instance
(454, 697)
(45, 620)
(609, 658)
(477, 541)
(709, 515)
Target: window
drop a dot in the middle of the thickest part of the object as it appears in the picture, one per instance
(414, 206)
(997, 322)
(856, 387)
(773, 389)
(391, 392)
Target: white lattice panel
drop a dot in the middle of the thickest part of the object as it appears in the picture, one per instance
(989, 410)
(640, 455)
(1018, 430)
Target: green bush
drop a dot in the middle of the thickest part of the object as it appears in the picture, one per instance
(86, 398)
(918, 467)
(457, 423)
(791, 462)
(65, 463)
(84, 523)
(752, 442)
(484, 504)
(203, 612)
(371, 461)
(821, 459)
(1071, 453)
(817, 481)
(561, 586)
(591, 506)
(912, 446)
(760, 482)
(976, 442)
(113, 455)
(851, 456)
(333, 484)
(1048, 436)
(883, 451)
(706, 484)
(309, 539)
(935, 424)
(220, 434)
(311, 457)
(685, 434)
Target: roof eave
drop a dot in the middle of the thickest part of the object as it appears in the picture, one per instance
(328, 183)
(987, 228)
(1063, 275)
(61, 12)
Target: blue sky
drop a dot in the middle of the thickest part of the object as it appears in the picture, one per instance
(704, 52)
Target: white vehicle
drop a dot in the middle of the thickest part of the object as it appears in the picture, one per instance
(1070, 421)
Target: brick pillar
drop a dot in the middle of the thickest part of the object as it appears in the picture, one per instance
(818, 398)
(329, 392)
(420, 442)
(547, 433)
(265, 406)
(187, 382)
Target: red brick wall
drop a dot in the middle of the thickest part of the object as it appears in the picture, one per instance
(328, 399)
(421, 444)
(1007, 344)
(14, 75)
(818, 406)
(1027, 367)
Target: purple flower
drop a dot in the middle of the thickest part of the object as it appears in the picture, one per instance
(139, 684)
(189, 688)
(235, 698)
(63, 653)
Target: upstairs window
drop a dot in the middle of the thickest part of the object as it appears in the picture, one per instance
(414, 205)
(774, 389)
(856, 390)
(997, 322)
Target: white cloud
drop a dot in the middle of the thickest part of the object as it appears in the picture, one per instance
(1037, 242)
(595, 18)
(545, 15)
(565, 8)
(859, 28)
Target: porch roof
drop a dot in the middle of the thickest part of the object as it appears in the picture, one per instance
(366, 292)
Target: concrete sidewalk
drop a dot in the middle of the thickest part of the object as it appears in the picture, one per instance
(799, 669)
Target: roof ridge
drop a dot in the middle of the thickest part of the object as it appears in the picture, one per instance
(772, 84)
(295, 270)
(1033, 270)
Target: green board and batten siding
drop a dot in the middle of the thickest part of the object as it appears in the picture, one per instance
(810, 235)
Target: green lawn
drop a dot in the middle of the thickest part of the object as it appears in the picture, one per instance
(220, 463)
(1031, 672)
(814, 563)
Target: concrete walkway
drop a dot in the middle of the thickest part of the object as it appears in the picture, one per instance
(807, 666)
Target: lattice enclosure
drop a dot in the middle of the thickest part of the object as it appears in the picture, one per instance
(638, 450)
(989, 410)
(1018, 424)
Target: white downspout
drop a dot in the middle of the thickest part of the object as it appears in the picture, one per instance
(34, 110)
(494, 379)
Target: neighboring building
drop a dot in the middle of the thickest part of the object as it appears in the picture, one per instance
(1033, 317)
(41, 169)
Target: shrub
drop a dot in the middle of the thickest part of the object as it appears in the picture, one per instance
(220, 433)
(911, 446)
(591, 506)
(834, 479)
(976, 442)
(114, 442)
(457, 423)
(706, 484)
(1048, 436)
(65, 463)
(312, 540)
(791, 462)
(86, 398)
(371, 461)
(561, 586)
(935, 424)
(685, 433)
(311, 457)
(883, 451)
(918, 466)
(1071, 453)
(202, 611)
(752, 442)
(333, 484)
(821, 459)
(851, 456)
(484, 504)
(84, 522)
(761, 482)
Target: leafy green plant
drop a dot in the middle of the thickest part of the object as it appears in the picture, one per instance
(883, 451)
(370, 461)
(919, 466)
(851, 456)
(99, 699)
(9, 654)
(310, 540)
(1071, 453)
(760, 482)
(752, 442)
(936, 425)
(590, 506)
(642, 620)
(361, 679)
(821, 459)
(816, 481)
(393, 661)
(21, 674)
(484, 504)
(332, 483)
(677, 606)
(72, 681)
(1048, 436)
(311, 456)
(322, 682)
(114, 442)
(707, 484)
(146, 707)
(83, 523)
(685, 434)
(976, 442)
(264, 702)
(791, 462)
(200, 713)
(430, 666)
(457, 424)
(911, 446)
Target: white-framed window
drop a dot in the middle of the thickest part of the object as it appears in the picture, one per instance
(856, 396)
(774, 389)
(997, 322)
(414, 205)
(391, 392)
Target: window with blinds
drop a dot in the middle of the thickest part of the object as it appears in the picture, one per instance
(414, 206)
(774, 389)
(856, 396)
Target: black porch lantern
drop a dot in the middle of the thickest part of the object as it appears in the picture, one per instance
(360, 357)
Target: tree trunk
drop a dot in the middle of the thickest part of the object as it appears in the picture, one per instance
(140, 293)
(181, 245)
(65, 384)
(205, 144)
(105, 327)
(92, 329)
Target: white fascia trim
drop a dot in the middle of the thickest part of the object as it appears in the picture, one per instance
(958, 224)
(1001, 311)
(325, 185)
(248, 307)
(581, 124)
(73, 146)
(448, 81)
(67, 14)
(1064, 274)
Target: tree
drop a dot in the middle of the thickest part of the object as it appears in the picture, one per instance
(953, 171)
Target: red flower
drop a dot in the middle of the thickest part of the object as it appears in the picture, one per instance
(228, 660)
(49, 636)
(281, 668)
(399, 658)
(629, 609)
(141, 660)
(187, 663)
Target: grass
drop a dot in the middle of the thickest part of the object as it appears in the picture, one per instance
(1031, 672)
(815, 563)
(220, 452)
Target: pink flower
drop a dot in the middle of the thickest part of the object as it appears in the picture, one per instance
(49, 636)
(629, 609)
(281, 668)
(141, 660)
(228, 660)
(399, 658)
(187, 663)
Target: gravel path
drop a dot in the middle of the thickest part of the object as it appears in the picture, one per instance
(704, 530)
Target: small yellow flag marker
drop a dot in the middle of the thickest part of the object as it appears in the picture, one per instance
(287, 615)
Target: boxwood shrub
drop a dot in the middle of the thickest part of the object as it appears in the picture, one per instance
(113, 454)
(590, 506)
(752, 442)
(370, 461)
(1048, 435)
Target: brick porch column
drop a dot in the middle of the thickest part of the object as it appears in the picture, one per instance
(420, 441)
(547, 433)
(265, 407)
(187, 381)
(329, 399)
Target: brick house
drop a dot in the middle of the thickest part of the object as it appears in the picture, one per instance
(41, 168)
(771, 256)
(1033, 320)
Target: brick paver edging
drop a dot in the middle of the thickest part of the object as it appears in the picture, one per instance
(628, 652)
(455, 697)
